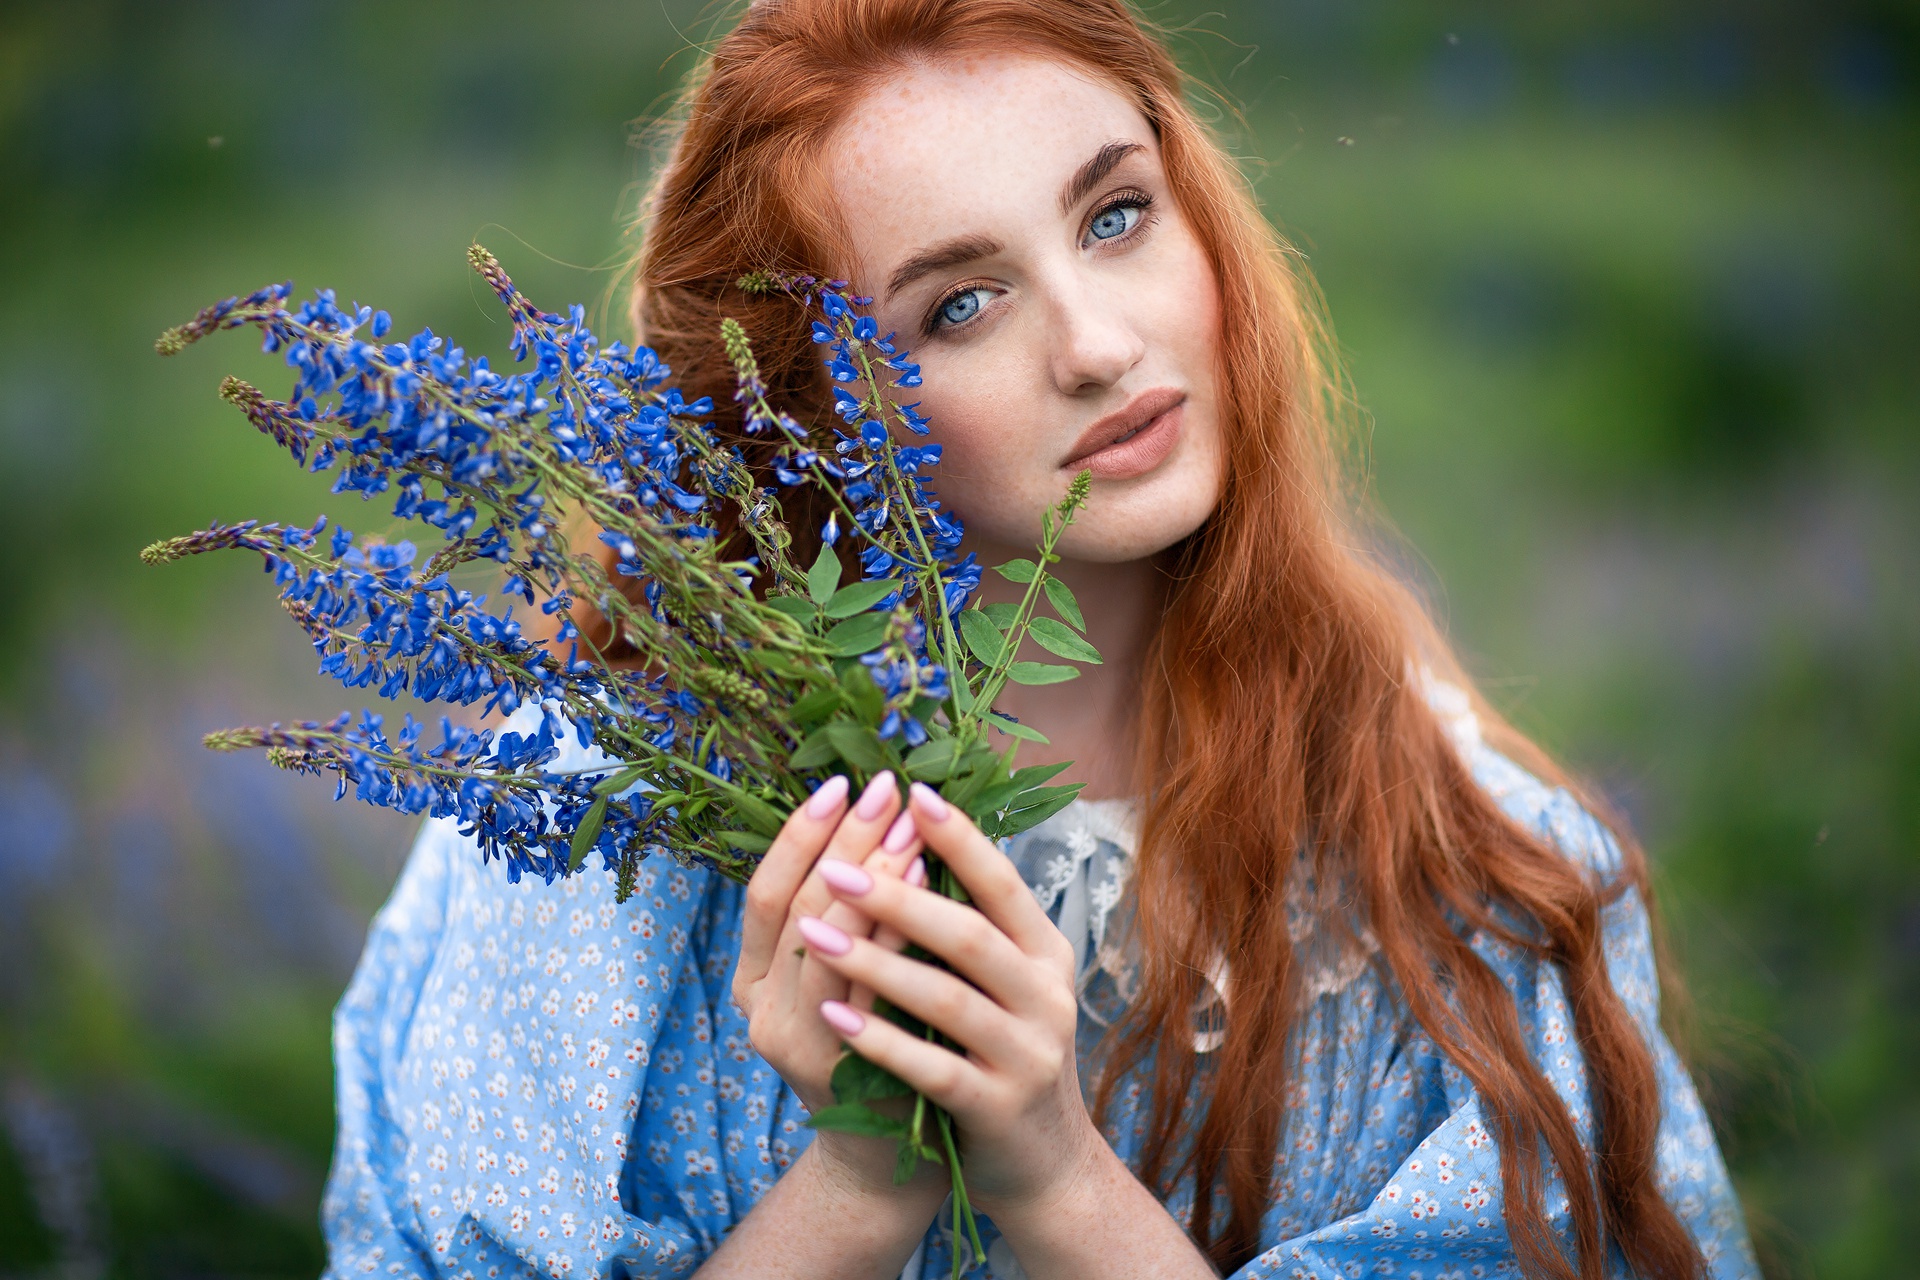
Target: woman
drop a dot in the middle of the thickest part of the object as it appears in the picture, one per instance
(1311, 944)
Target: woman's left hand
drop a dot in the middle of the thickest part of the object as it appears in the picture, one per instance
(1016, 1093)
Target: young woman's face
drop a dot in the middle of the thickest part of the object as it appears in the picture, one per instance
(1012, 220)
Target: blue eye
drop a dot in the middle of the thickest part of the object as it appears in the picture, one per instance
(961, 307)
(1114, 220)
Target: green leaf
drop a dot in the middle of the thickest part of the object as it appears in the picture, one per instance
(747, 841)
(906, 1162)
(816, 706)
(857, 635)
(862, 694)
(815, 753)
(782, 665)
(1015, 729)
(984, 767)
(1036, 774)
(860, 597)
(618, 782)
(755, 812)
(1018, 570)
(961, 790)
(857, 744)
(962, 696)
(1001, 615)
(1030, 796)
(932, 761)
(1033, 815)
(996, 797)
(981, 636)
(1064, 603)
(858, 1118)
(799, 608)
(824, 576)
(586, 833)
(1057, 637)
(1040, 673)
(856, 1080)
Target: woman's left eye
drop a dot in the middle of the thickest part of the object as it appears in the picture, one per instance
(1114, 220)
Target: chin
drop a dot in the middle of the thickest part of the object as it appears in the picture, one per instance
(1132, 521)
(1136, 526)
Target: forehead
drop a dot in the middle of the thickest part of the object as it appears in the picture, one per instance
(979, 137)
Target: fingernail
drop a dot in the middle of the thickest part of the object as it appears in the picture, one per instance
(917, 873)
(824, 801)
(843, 1018)
(823, 937)
(900, 834)
(873, 801)
(844, 877)
(932, 807)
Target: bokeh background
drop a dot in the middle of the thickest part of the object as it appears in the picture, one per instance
(1630, 294)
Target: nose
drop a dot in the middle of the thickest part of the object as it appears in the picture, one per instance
(1092, 343)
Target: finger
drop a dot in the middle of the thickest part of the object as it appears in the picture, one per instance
(938, 998)
(901, 844)
(989, 875)
(914, 873)
(943, 1075)
(965, 938)
(859, 833)
(770, 889)
(896, 852)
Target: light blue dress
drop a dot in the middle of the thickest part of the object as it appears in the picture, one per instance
(534, 1081)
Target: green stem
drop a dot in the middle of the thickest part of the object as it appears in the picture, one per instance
(962, 1209)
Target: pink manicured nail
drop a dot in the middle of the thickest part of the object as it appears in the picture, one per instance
(932, 807)
(823, 937)
(873, 801)
(844, 877)
(917, 873)
(823, 802)
(901, 834)
(843, 1018)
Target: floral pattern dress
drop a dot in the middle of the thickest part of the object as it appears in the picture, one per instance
(535, 1081)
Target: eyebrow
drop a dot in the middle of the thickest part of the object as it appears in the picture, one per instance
(948, 253)
(964, 249)
(1104, 162)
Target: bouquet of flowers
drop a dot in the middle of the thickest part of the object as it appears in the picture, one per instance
(753, 676)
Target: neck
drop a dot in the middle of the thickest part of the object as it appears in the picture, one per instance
(1090, 720)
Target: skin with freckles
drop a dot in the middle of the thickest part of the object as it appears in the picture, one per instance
(1048, 284)
(1057, 313)
(1064, 317)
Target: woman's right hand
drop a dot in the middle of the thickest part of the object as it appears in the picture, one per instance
(780, 988)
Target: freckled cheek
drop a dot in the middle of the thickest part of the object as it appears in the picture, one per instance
(980, 429)
(1185, 325)
(989, 468)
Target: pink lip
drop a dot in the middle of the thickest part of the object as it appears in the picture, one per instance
(1134, 440)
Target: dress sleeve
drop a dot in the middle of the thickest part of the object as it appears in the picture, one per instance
(1441, 1211)
(537, 1081)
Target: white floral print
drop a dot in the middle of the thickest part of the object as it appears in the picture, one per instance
(534, 1081)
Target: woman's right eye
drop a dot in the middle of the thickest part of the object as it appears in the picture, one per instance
(961, 307)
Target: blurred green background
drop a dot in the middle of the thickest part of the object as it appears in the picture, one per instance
(1630, 294)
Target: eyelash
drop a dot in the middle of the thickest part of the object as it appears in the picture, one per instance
(1120, 200)
(1124, 200)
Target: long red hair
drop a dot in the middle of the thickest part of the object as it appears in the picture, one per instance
(1280, 710)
